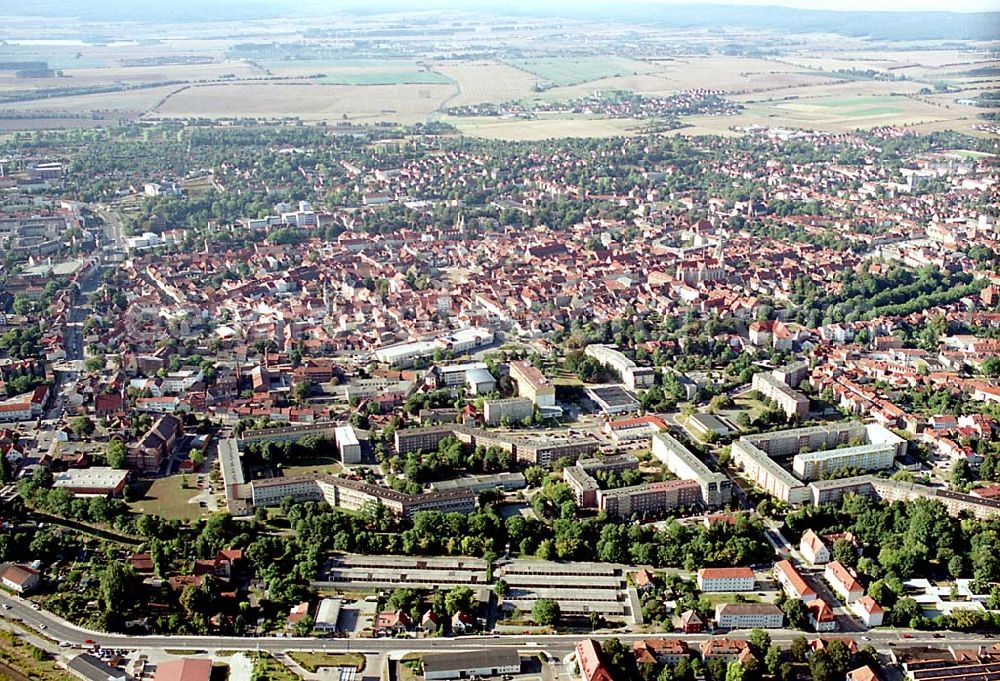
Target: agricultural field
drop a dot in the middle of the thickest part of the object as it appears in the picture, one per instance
(355, 71)
(543, 128)
(129, 101)
(570, 71)
(487, 82)
(405, 104)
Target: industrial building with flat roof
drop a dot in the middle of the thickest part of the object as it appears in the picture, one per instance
(94, 481)
(348, 444)
(613, 399)
(579, 588)
(471, 665)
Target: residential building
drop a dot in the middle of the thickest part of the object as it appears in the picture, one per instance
(633, 377)
(789, 400)
(726, 649)
(843, 581)
(792, 582)
(533, 384)
(814, 549)
(821, 615)
(590, 662)
(679, 460)
(660, 651)
(748, 615)
(726, 579)
(868, 611)
(510, 410)
(649, 498)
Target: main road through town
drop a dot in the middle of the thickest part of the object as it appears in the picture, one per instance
(558, 645)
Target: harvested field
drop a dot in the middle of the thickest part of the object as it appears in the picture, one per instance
(405, 104)
(544, 128)
(487, 82)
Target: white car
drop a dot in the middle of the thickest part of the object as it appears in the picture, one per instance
(6, 607)
(35, 606)
(65, 644)
(43, 626)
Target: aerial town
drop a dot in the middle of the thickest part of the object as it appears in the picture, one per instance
(350, 401)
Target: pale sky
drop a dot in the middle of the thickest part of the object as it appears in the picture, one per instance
(848, 5)
(844, 5)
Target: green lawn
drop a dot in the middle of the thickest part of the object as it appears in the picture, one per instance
(312, 662)
(323, 464)
(754, 407)
(168, 499)
(570, 71)
(266, 667)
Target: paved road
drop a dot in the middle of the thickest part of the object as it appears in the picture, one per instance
(555, 644)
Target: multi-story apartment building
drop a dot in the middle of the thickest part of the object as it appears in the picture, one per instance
(792, 582)
(679, 460)
(633, 376)
(533, 384)
(355, 495)
(408, 440)
(756, 454)
(791, 401)
(512, 409)
(726, 579)
(748, 615)
(843, 581)
(819, 465)
(653, 497)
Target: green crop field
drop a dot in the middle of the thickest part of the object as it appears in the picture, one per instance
(570, 71)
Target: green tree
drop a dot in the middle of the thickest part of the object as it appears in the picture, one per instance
(82, 426)
(116, 454)
(459, 599)
(197, 457)
(799, 648)
(546, 612)
(759, 642)
(772, 660)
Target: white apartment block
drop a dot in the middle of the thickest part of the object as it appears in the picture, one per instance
(633, 376)
(726, 579)
(513, 409)
(748, 616)
(716, 488)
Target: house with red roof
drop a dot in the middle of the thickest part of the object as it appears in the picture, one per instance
(870, 612)
(844, 581)
(590, 662)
